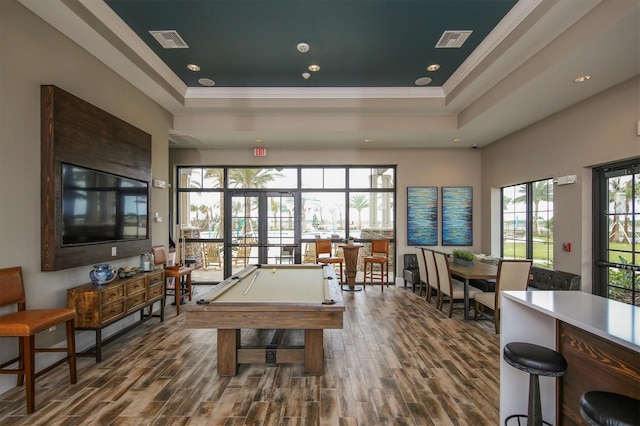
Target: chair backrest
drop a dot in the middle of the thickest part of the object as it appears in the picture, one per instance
(380, 247)
(12, 287)
(159, 255)
(432, 271)
(444, 276)
(513, 274)
(323, 247)
(422, 267)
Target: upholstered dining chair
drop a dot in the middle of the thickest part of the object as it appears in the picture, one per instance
(422, 270)
(325, 256)
(25, 324)
(379, 256)
(181, 277)
(449, 287)
(513, 274)
(433, 283)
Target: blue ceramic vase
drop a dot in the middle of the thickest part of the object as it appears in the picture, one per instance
(102, 274)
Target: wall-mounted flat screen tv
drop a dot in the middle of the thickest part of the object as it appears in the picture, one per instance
(99, 207)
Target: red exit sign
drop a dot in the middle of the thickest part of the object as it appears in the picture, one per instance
(259, 152)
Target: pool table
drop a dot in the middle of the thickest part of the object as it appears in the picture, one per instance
(303, 297)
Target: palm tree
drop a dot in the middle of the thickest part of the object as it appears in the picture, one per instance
(250, 178)
(308, 204)
(615, 188)
(359, 202)
(217, 175)
(540, 191)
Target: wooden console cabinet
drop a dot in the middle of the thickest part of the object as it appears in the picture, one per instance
(98, 306)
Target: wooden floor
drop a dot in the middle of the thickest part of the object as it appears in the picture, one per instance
(398, 361)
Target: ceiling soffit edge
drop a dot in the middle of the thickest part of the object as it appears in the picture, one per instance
(497, 36)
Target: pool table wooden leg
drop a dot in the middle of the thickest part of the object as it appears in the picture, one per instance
(228, 345)
(313, 352)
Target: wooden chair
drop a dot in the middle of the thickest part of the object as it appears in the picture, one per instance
(287, 253)
(211, 255)
(513, 274)
(433, 283)
(379, 256)
(181, 277)
(25, 324)
(450, 288)
(324, 255)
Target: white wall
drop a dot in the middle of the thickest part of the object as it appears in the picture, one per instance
(32, 53)
(599, 130)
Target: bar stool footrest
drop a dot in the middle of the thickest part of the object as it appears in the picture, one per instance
(517, 421)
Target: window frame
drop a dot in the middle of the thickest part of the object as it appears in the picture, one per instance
(529, 210)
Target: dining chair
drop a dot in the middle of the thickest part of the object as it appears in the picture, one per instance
(513, 274)
(25, 324)
(181, 277)
(449, 287)
(325, 256)
(379, 256)
(433, 283)
(422, 269)
(287, 253)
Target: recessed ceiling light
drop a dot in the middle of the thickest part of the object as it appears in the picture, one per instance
(582, 78)
(206, 82)
(302, 47)
(193, 67)
(259, 140)
(368, 140)
(306, 75)
(457, 139)
(314, 68)
(423, 81)
(433, 67)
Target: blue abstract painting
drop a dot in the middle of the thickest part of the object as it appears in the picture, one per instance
(457, 216)
(422, 215)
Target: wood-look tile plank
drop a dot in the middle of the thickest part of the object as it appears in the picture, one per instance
(397, 361)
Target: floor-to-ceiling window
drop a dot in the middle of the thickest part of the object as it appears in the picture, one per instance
(527, 222)
(617, 231)
(232, 216)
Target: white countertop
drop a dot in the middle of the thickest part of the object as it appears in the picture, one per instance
(611, 320)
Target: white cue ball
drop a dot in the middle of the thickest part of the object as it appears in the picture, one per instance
(273, 271)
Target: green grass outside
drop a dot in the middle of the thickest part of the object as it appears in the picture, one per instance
(518, 251)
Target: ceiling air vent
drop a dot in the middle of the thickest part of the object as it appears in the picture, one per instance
(453, 39)
(169, 39)
(175, 139)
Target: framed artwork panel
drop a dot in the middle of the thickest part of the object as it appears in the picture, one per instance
(422, 215)
(457, 216)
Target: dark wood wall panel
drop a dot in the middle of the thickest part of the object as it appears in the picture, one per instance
(74, 131)
(594, 364)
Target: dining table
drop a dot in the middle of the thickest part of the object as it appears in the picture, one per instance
(474, 271)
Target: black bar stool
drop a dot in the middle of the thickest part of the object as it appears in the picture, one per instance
(600, 408)
(537, 361)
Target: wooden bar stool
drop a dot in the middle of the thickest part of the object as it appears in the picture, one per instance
(324, 255)
(180, 274)
(25, 324)
(379, 256)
